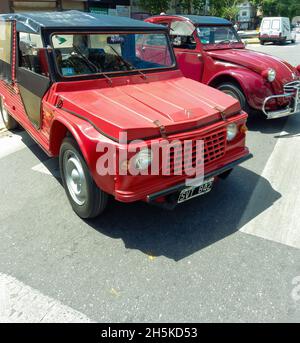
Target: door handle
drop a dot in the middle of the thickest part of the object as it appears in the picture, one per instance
(199, 56)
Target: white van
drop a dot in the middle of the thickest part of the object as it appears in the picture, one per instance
(277, 30)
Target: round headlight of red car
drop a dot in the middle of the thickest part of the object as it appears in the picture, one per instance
(269, 74)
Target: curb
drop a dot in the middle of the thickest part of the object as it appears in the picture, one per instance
(251, 41)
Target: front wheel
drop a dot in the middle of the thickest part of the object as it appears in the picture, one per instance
(9, 122)
(87, 200)
(235, 91)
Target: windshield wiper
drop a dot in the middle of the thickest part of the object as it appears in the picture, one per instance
(128, 65)
(91, 64)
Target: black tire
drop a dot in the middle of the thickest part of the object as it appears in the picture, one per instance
(293, 41)
(262, 42)
(236, 92)
(96, 199)
(9, 122)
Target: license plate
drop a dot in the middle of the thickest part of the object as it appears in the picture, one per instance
(193, 192)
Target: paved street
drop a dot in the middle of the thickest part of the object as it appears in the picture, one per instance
(232, 255)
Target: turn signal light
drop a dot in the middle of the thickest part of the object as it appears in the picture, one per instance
(243, 129)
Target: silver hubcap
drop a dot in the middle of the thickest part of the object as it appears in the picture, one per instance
(75, 177)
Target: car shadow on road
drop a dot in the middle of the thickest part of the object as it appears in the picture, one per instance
(192, 226)
(257, 122)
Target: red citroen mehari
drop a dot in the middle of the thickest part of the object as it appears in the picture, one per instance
(86, 90)
(209, 50)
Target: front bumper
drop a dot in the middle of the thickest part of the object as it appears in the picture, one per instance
(177, 188)
(291, 93)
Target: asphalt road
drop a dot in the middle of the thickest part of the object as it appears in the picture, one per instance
(232, 255)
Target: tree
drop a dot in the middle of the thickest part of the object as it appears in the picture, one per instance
(225, 8)
(275, 8)
(155, 6)
(192, 6)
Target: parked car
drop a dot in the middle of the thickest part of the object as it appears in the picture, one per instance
(276, 30)
(86, 90)
(209, 50)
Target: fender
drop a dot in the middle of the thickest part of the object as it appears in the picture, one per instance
(87, 138)
(255, 88)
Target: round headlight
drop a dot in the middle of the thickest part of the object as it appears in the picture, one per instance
(232, 131)
(271, 75)
(142, 159)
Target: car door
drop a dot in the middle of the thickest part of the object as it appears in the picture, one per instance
(32, 74)
(187, 49)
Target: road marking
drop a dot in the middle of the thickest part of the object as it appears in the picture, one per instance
(10, 144)
(48, 167)
(20, 303)
(280, 222)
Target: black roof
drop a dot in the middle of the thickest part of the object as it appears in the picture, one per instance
(206, 20)
(35, 21)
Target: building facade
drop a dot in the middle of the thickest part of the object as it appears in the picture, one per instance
(114, 7)
(247, 16)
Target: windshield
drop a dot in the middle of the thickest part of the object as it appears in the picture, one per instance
(82, 54)
(217, 35)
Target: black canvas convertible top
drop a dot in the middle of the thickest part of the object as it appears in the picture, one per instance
(207, 20)
(36, 21)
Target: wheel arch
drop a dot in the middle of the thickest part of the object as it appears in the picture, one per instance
(225, 78)
(61, 129)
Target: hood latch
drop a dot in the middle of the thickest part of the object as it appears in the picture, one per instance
(221, 110)
(161, 127)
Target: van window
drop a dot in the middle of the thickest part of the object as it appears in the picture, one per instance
(266, 24)
(276, 24)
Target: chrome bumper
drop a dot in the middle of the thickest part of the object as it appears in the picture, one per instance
(292, 92)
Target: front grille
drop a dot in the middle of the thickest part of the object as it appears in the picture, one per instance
(292, 87)
(214, 149)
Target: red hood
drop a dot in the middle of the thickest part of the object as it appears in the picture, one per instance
(256, 61)
(177, 103)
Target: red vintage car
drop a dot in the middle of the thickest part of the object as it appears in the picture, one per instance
(86, 90)
(209, 50)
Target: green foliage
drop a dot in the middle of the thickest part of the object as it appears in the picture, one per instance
(155, 6)
(225, 8)
(282, 8)
(192, 6)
